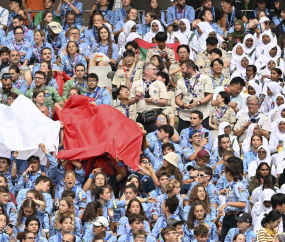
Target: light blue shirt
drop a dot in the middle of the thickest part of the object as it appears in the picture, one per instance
(120, 14)
(160, 224)
(80, 174)
(120, 212)
(99, 48)
(78, 17)
(10, 181)
(101, 95)
(21, 84)
(2, 37)
(209, 216)
(223, 183)
(84, 48)
(249, 235)
(216, 157)
(109, 15)
(37, 68)
(11, 211)
(276, 20)
(247, 158)
(124, 226)
(23, 47)
(35, 52)
(129, 238)
(28, 36)
(88, 237)
(68, 65)
(58, 41)
(92, 39)
(237, 193)
(216, 28)
(174, 14)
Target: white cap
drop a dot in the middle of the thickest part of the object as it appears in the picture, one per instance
(100, 221)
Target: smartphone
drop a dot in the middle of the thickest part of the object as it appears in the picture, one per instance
(147, 95)
(191, 101)
(11, 225)
(206, 134)
(254, 120)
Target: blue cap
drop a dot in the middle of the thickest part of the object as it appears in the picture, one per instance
(192, 132)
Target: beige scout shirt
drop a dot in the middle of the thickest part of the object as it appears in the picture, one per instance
(216, 81)
(120, 76)
(157, 90)
(203, 58)
(132, 111)
(263, 123)
(228, 116)
(156, 51)
(207, 71)
(203, 84)
(178, 74)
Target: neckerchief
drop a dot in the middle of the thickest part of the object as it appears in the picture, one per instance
(254, 116)
(53, 41)
(4, 100)
(73, 62)
(16, 47)
(95, 33)
(252, 155)
(221, 114)
(95, 94)
(265, 10)
(66, 26)
(147, 83)
(177, 12)
(18, 82)
(59, 236)
(124, 13)
(104, 12)
(126, 108)
(25, 31)
(213, 80)
(37, 50)
(231, 22)
(196, 223)
(132, 76)
(190, 88)
(33, 178)
(129, 236)
(80, 86)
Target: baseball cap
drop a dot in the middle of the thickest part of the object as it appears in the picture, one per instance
(174, 222)
(192, 132)
(55, 27)
(172, 158)
(100, 221)
(191, 165)
(244, 217)
(202, 153)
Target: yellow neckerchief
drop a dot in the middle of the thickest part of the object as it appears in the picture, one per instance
(271, 233)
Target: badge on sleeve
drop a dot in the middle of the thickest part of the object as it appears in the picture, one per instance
(240, 189)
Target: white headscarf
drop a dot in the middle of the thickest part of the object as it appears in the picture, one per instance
(266, 196)
(261, 42)
(202, 38)
(280, 108)
(241, 69)
(222, 127)
(274, 88)
(187, 31)
(234, 51)
(267, 49)
(246, 144)
(268, 71)
(132, 36)
(278, 134)
(249, 50)
(151, 34)
(257, 88)
(267, 158)
(128, 27)
(181, 37)
(276, 107)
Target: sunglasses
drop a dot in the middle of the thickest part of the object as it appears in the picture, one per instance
(202, 175)
(266, 22)
(145, 161)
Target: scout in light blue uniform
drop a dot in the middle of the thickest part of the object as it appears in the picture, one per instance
(162, 19)
(11, 211)
(22, 194)
(84, 48)
(124, 226)
(67, 64)
(101, 95)
(109, 15)
(24, 46)
(189, 233)
(121, 23)
(184, 137)
(35, 52)
(88, 237)
(152, 137)
(58, 237)
(160, 224)
(2, 37)
(10, 181)
(10, 17)
(77, 227)
(211, 191)
(57, 41)
(130, 238)
(249, 235)
(216, 157)
(174, 14)
(247, 158)
(160, 199)
(80, 176)
(28, 36)
(237, 193)
(65, 7)
(37, 68)
(223, 183)
(30, 180)
(99, 48)
(51, 83)
(120, 14)
(20, 84)
(209, 216)
(80, 197)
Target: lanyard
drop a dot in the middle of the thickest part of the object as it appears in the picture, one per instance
(73, 62)
(220, 114)
(19, 82)
(33, 178)
(59, 237)
(190, 88)
(26, 31)
(37, 51)
(83, 85)
(96, 93)
(129, 236)
(21, 46)
(107, 237)
(229, 24)
(177, 13)
(126, 108)
(213, 13)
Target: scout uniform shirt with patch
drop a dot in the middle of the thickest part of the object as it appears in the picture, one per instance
(128, 111)
(4, 96)
(120, 76)
(227, 79)
(178, 74)
(222, 114)
(51, 95)
(156, 51)
(194, 88)
(203, 58)
(157, 90)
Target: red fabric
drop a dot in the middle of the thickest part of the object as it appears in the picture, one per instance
(60, 80)
(90, 131)
(147, 45)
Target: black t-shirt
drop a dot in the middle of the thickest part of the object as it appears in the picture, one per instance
(238, 15)
(147, 183)
(193, 3)
(217, 14)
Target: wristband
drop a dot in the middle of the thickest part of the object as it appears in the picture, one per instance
(155, 101)
(183, 105)
(24, 174)
(120, 164)
(111, 218)
(151, 171)
(91, 176)
(227, 204)
(146, 200)
(45, 152)
(26, 61)
(141, 170)
(69, 4)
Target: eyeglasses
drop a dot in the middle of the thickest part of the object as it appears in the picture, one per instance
(261, 152)
(19, 33)
(38, 78)
(266, 22)
(31, 238)
(141, 238)
(145, 161)
(92, 80)
(202, 175)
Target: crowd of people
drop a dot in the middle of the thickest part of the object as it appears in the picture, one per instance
(225, 77)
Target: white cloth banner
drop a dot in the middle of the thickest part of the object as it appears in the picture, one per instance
(23, 127)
